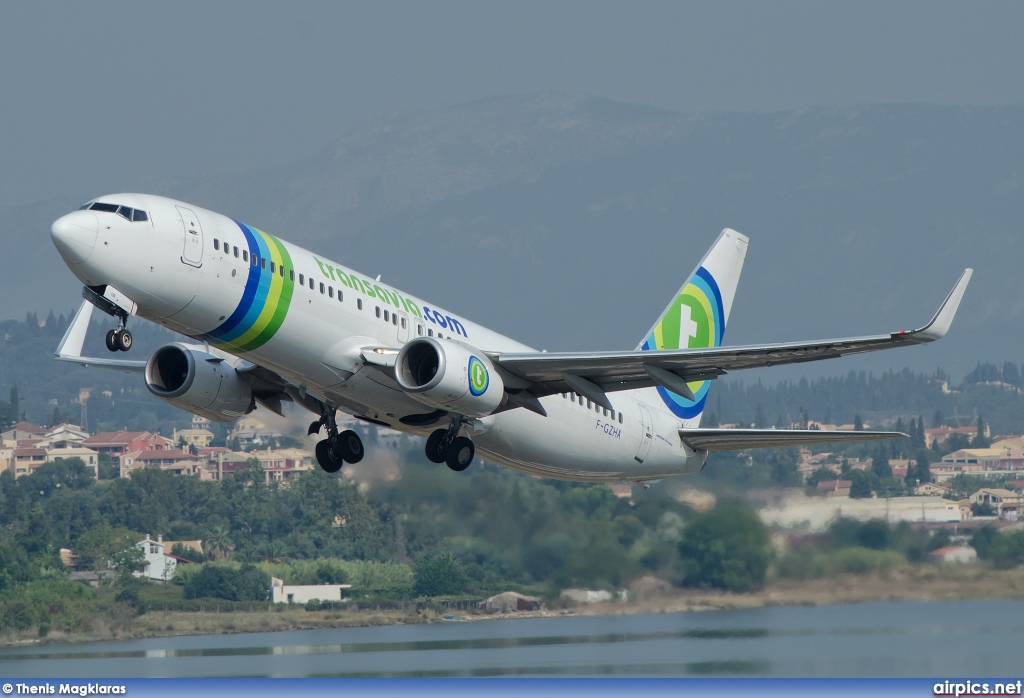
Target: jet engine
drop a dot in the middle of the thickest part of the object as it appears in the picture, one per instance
(450, 376)
(195, 380)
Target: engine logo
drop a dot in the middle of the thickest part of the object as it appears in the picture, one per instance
(478, 377)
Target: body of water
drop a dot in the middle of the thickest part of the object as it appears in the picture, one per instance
(948, 639)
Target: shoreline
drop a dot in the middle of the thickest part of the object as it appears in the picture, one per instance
(930, 584)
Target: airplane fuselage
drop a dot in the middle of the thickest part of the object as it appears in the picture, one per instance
(306, 318)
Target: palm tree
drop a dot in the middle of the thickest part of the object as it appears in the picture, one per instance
(274, 551)
(219, 543)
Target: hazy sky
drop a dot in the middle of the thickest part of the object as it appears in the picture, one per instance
(96, 97)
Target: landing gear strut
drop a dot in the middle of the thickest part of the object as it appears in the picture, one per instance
(446, 446)
(337, 449)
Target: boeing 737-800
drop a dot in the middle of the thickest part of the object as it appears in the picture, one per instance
(271, 322)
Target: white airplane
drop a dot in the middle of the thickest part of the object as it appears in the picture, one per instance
(272, 322)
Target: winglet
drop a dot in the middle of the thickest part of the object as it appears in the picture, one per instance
(71, 346)
(939, 325)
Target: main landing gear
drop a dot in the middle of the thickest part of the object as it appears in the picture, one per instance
(337, 449)
(446, 446)
(119, 339)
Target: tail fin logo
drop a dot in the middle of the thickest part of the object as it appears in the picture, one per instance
(695, 320)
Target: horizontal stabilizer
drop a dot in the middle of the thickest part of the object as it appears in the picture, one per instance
(739, 439)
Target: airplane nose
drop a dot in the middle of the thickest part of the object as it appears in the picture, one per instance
(74, 235)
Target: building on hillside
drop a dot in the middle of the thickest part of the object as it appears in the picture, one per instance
(71, 432)
(942, 472)
(24, 430)
(622, 490)
(63, 448)
(933, 489)
(196, 545)
(279, 465)
(835, 488)
(1007, 503)
(1016, 485)
(28, 460)
(7, 459)
(200, 438)
(814, 514)
(942, 434)
(954, 554)
(899, 467)
(171, 460)
(511, 601)
(115, 443)
(158, 565)
(304, 593)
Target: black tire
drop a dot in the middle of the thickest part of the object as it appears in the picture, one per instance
(460, 454)
(435, 454)
(123, 339)
(329, 460)
(112, 341)
(350, 446)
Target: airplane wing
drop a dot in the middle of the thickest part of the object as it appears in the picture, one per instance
(592, 374)
(739, 439)
(70, 348)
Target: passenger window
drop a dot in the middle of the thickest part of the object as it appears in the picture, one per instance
(419, 329)
(620, 418)
(605, 410)
(272, 267)
(311, 283)
(403, 323)
(321, 288)
(430, 332)
(236, 252)
(245, 255)
(387, 316)
(263, 263)
(613, 415)
(291, 275)
(216, 244)
(280, 270)
(302, 279)
(340, 297)
(330, 291)
(359, 303)
(138, 215)
(394, 319)
(376, 311)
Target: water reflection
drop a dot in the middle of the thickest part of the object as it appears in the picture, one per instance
(891, 639)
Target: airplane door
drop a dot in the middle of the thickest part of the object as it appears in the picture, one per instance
(646, 436)
(192, 253)
(404, 324)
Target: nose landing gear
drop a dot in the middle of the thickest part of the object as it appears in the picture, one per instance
(337, 449)
(119, 339)
(446, 446)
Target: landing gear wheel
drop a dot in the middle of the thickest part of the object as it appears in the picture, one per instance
(460, 454)
(328, 457)
(123, 339)
(112, 340)
(350, 446)
(435, 446)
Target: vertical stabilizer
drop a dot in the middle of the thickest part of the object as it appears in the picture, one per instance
(696, 318)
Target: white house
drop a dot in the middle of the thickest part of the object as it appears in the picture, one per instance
(158, 565)
(301, 593)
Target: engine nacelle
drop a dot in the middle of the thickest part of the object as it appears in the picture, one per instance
(197, 381)
(449, 376)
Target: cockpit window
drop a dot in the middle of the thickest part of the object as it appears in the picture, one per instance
(85, 207)
(126, 212)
